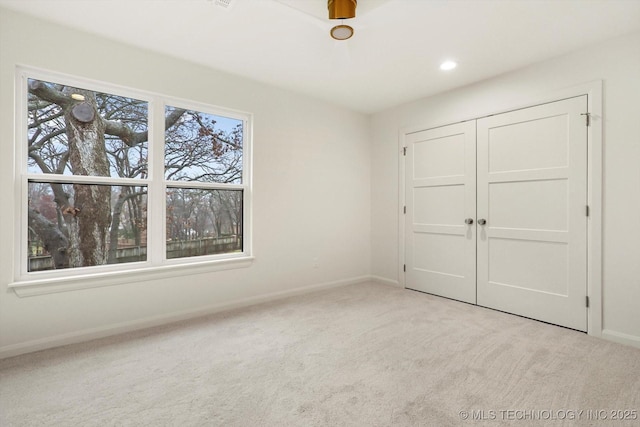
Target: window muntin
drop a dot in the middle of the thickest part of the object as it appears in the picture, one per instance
(134, 146)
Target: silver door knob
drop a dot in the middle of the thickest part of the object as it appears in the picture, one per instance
(468, 221)
(482, 221)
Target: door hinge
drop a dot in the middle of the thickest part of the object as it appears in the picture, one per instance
(404, 268)
(587, 210)
(588, 117)
(587, 301)
(404, 151)
(405, 209)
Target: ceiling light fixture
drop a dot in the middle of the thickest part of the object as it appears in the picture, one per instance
(448, 65)
(341, 32)
(342, 9)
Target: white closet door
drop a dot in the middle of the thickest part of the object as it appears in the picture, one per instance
(532, 192)
(441, 194)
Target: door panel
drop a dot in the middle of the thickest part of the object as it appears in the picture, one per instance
(532, 191)
(533, 205)
(529, 265)
(440, 183)
(443, 250)
(439, 154)
(437, 204)
(532, 143)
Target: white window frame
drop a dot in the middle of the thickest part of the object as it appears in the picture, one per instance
(157, 265)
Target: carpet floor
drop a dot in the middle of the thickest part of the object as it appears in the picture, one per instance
(360, 355)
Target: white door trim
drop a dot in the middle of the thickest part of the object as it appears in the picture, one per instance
(593, 90)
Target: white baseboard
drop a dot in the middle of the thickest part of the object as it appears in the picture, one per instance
(385, 281)
(119, 328)
(621, 338)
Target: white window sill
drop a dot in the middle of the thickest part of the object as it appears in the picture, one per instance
(33, 287)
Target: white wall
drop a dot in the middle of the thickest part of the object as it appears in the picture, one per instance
(311, 190)
(617, 64)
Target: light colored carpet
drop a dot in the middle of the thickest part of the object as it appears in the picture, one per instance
(362, 355)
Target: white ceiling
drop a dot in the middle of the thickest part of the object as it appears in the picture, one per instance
(393, 57)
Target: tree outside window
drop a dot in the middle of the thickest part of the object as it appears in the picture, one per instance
(90, 185)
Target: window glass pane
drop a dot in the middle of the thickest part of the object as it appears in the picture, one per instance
(74, 131)
(78, 225)
(203, 222)
(202, 147)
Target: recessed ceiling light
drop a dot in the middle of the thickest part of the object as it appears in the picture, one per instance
(341, 32)
(448, 65)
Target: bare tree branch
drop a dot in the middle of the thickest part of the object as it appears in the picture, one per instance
(54, 241)
(37, 123)
(131, 138)
(40, 143)
(46, 92)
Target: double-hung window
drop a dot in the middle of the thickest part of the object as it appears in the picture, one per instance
(113, 179)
